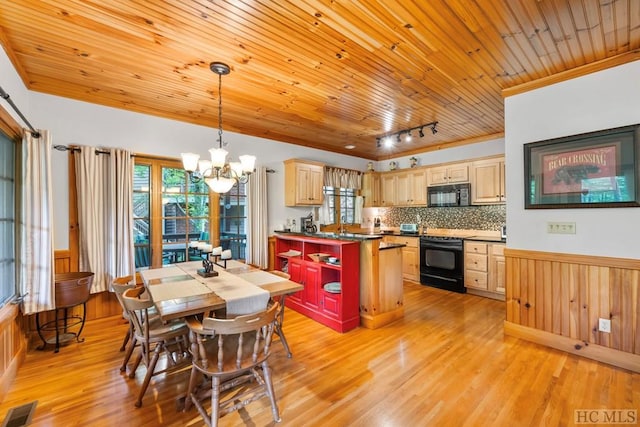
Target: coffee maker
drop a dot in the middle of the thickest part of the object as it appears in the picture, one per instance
(307, 225)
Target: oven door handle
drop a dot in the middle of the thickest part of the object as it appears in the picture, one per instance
(455, 248)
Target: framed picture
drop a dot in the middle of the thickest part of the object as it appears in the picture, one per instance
(591, 170)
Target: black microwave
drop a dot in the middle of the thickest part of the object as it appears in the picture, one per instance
(449, 195)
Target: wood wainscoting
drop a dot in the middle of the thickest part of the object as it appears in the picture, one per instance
(13, 346)
(557, 300)
(101, 304)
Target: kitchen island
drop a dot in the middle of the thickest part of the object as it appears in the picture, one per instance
(369, 273)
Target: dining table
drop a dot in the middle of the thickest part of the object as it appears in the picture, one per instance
(179, 291)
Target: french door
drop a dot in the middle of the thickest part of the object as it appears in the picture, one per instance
(169, 211)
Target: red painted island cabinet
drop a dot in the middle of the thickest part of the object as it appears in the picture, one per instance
(331, 293)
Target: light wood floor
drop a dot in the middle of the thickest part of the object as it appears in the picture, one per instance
(447, 363)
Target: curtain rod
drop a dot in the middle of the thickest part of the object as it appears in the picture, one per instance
(61, 147)
(7, 98)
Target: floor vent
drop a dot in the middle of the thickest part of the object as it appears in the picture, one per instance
(20, 416)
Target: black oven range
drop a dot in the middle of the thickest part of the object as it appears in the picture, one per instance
(442, 263)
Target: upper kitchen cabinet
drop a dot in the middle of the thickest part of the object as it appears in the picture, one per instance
(371, 189)
(303, 181)
(404, 188)
(388, 189)
(416, 184)
(449, 174)
(488, 181)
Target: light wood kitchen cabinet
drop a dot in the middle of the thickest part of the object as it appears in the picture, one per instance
(497, 268)
(449, 174)
(410, 255)
(371, 189)
(388, 189)
(488, 181)
(484, 272)
(404, 188)
(303, 181)
(476, 265)
(417, 179)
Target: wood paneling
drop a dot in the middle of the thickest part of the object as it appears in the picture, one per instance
(316, 73)
(565, 295)
(100, 305)
(13, 346)
(446, 363)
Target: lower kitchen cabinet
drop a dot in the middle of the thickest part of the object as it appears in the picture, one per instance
(484, 272)
(497, 267)
(410, 255)
(339, 311)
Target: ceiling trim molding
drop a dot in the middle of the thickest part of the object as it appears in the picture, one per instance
(603, 64)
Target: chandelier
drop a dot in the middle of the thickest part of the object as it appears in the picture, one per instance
(219, 174)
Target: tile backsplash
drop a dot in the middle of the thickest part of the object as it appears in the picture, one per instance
(490, 217)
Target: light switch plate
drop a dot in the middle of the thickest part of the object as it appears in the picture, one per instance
(561, 227)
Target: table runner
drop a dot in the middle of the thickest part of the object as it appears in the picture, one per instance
(240, 295)
(260, 277)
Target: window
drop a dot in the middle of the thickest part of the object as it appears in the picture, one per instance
(7, 220)
(169, 212)
(233, 221)
(341, 203)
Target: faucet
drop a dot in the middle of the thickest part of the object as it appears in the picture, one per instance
(342, 225)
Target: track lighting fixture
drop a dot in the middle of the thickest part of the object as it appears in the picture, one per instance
(387, 140)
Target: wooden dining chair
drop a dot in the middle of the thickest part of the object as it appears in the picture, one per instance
(155, 338)
(280, 315)
(234, 354)
(119, 285)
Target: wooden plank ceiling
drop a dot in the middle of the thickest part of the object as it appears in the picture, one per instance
(318, 73)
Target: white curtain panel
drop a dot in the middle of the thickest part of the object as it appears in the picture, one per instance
(104, 185)
(120, 254)
(36, 265)
(258, 233)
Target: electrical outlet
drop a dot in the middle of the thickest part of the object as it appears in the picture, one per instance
(604, 325)
(561, 227)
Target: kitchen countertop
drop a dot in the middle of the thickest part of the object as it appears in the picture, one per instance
(463, 234)
(334, 236)
(486, 239)
(384, 246)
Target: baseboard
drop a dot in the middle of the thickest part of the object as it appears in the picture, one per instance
(613, 357)
(486, 294)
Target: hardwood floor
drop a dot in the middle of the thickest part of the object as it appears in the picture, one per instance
(446, 363)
